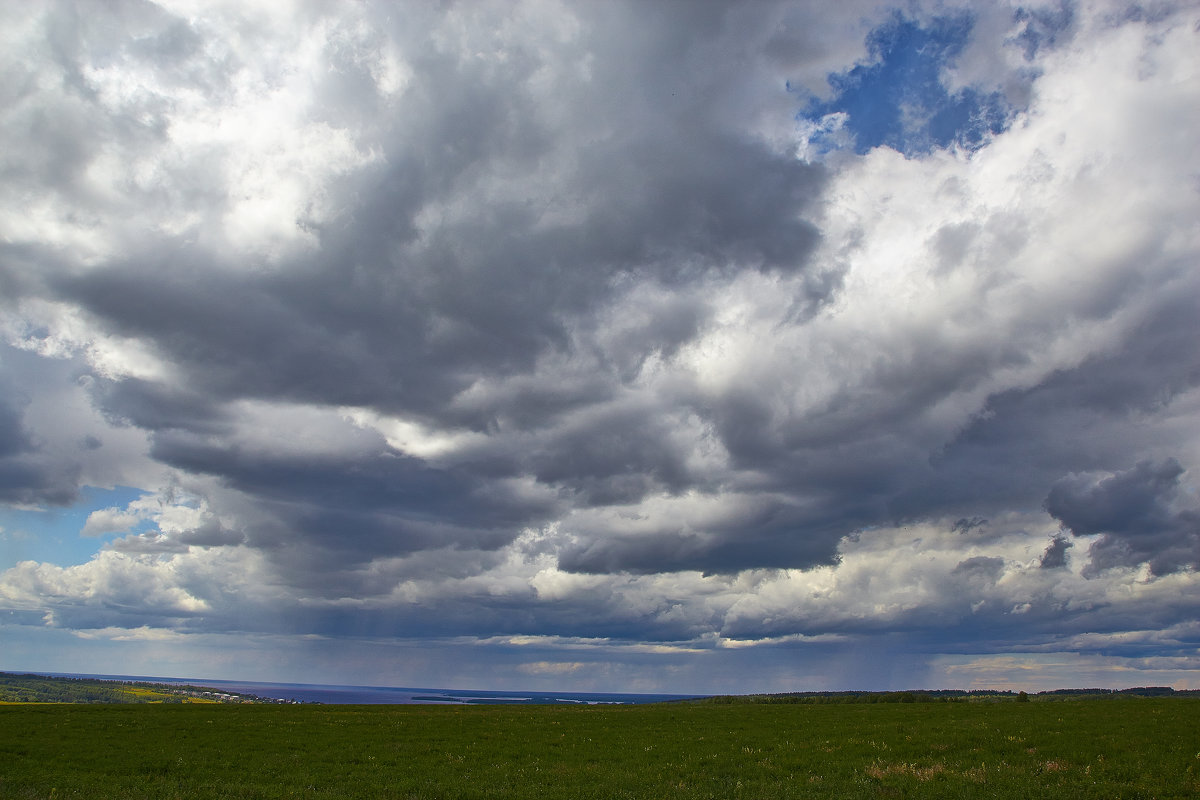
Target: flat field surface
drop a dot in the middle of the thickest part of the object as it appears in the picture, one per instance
(1120, 748)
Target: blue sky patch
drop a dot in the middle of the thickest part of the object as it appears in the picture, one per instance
(52, 534)
(897, 99)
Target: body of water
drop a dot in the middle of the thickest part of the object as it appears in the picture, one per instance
(381, 695)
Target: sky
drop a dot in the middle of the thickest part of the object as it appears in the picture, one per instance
(602, 346)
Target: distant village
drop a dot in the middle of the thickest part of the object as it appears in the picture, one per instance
(223, 697)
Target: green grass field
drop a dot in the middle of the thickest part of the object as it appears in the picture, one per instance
(1122, 748)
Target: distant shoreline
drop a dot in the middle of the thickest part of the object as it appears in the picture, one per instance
(158, 689)
(278, 692)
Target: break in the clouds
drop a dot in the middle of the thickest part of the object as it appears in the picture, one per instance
(628, 345)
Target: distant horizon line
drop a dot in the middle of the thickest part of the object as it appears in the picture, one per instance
(796, 692)
(200, 681)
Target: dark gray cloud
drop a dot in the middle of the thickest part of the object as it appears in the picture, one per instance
(353, 510)
(645, 192)
(1055, 556)
(13, 439)
(29, 476)
(208, 534)
(1023, 440)
(1137, 514)
(964, 525)
(634, 186)
(27, 482)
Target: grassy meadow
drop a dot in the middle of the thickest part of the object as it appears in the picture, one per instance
(1118, 748)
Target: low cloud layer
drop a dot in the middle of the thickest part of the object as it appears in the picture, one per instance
(682, 326)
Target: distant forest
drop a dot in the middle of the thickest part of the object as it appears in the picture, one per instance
(30, 688)
(945, 696)
(42, 689)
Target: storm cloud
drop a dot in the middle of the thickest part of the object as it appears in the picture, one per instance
(612, 331)
(1136, 514)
